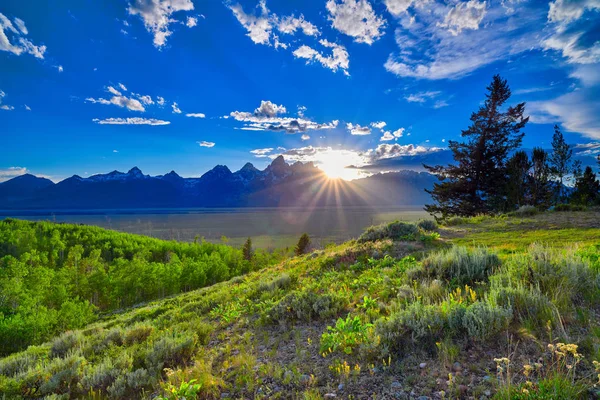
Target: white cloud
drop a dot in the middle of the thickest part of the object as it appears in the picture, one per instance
(114, 91)
(206, 144)
(291, 24)
(262, 153)
(440, 41)
(145, 99)
(259, 27)
(379, 125)
(158, 15)
(4, 107)
(388, 135)
(440, 104)
(337, 60)
(160, 101)
(123, 87)
(175, 108)
(398, 7)
(421, 97)
(357, 19)
(17, 43)
(115, 151)
(195, 115)
(12, 172)
(267, 117)
(386, 151)
(467, 15)
(304, 137)
(60, 68)
(531, 90)
(130, 121)
(27, 107)
(566, 11)
(356, 129)
(191, 22)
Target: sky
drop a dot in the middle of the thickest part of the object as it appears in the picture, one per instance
(88, 87)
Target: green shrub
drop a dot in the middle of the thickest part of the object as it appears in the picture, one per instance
(346, 335)
(66, 342)
(428, 225)
(113, 337)
(137, 334)
(394, 230)
(283, 281)
(19, 363)
(460, 265)
(59, 376)
(130, 385)
(569, 207)
(524, 211)
(171, 351)
(307, 306)
(482, 320)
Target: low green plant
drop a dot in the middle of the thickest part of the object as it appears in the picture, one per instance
(460, 265)
(185, 391)
(346, 335)
(524, 211)
(428, 225)
(65, 343)
(396, 230)
(483, 320)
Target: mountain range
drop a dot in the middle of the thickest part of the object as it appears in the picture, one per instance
(279, 184)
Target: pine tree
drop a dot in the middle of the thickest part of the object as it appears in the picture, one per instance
(587, 188)
(518, 167)
(598, 160)
(560, 161)
(477, 183)
(303, 245)
(247, 250)
(541, 186)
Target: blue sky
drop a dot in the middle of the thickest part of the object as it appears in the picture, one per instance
(88, 87)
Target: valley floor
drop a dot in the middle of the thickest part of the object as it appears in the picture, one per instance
(504, 307)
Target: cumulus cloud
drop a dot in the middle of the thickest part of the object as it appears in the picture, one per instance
(130, 121)
(304, 137)
(13, 40)
(157, 15)
(191, 22)
(160, 101)
(356, 18)
(175, 108)
(258, 26)
(356, 129)
(132, 102)
(195, 115)
(267, 117)
(379, 125)
(565, 11)
(398, 7)
(338, 59)
(385, 151)
(206, 144)
(467, 15)
(389, 135)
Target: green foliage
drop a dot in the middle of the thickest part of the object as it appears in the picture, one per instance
(460, 265)
(307, 306)
(482, 320)
(394, 230)
(185, 391)
(345, 336)
(303, 245)
(171, 351)
(247, 250)
(524, 211)
(65, 343)
(58, 277)
(138, 334)
(428, 225)
(569, 207)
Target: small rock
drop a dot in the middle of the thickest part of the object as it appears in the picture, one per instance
(224, 395)
(463, 389)
(487, 378)
(341, 387)
(304, 378)
(457, 367)
(329, 395)
(422, 398)
(376, 254)
(488, 393)
(422, 365)
(396, 385)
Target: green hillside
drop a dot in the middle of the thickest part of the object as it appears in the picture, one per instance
(483, 307)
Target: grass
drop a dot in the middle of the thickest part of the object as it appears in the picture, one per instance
(388, 316)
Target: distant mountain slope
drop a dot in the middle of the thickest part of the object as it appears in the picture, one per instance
(280, 184)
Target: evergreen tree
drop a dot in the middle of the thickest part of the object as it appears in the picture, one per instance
(560, 161)
(303, 245)
(587, 188)
(518, 178)
(477, 183)
(598, 160)
(247, 250)
(541, 186)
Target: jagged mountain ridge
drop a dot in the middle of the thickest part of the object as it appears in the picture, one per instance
(279, 184)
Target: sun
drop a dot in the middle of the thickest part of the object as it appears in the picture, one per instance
(334, 163)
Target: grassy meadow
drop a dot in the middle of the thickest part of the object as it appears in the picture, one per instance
(484, 307)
